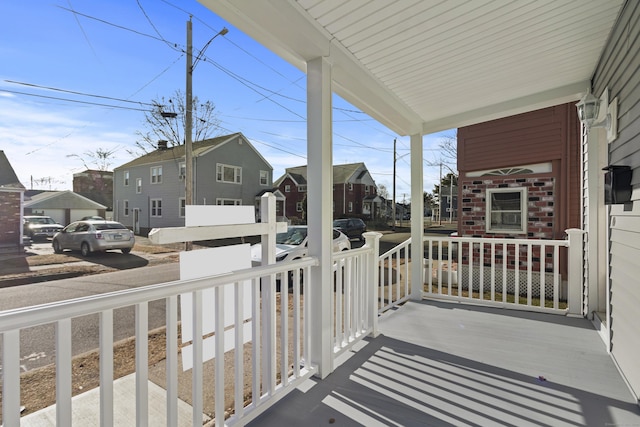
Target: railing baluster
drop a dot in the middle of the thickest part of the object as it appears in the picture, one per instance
(493, 271)
(505, 257)
(481, 267)
(256, 332)
(556, 276)
(239, 349)
(106, 367)
(296, 329)
(142, 364)
(63, 372)
(543, 286)
(516, 295)
(219, 393)
(340, 273)
(529, 275)
(450, 267)
(284, 332)
(197, 371)
(171, 304)
(11, 378)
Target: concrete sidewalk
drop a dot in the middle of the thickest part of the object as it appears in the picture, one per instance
(86, 408)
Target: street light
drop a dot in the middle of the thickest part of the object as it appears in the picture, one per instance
(188, 152)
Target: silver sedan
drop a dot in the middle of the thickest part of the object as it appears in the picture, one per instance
(94, 236)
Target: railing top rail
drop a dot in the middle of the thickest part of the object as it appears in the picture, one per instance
(498, 240)
(396, 248)
(352, 252)
(51, 312)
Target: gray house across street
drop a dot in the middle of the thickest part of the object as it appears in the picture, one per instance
(149, 192)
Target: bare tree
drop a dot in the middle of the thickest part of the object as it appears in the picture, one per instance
(383, 192)
(100, 158)
(166, 121)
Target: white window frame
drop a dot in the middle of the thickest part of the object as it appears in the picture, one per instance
(182, 207)
(350, 206)
(220, 201)
(302, 188)
(264, 177)
(156, 174)
(155, 208)
(125, 207)
(126, 178)
(298, 206)
(182, 170)
(351, 186)
(138, 185)
(220, 173)
(522, 211)
(287, 188)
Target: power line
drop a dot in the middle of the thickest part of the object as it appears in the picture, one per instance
(73, 100)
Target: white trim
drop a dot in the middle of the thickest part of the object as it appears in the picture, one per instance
(523, 210)
(535, 168)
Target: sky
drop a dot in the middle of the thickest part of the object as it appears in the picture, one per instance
(76, 77)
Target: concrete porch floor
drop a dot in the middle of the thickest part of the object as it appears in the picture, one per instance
(443, 364)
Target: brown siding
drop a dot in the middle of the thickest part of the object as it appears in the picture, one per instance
(10, 213)
(541, 136)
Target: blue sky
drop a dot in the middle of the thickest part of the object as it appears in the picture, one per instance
(134, 50)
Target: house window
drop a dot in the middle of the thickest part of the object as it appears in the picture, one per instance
(182, 170)
(302, 188)
(264, 177)
(138, 185)
(182, 207)
(126, 178)
(156, 207)
(230, 174)
(125, 207)
(228, 202)
(350, 206)
(156, 174)
(298, 206)
(366, 189)
(350, 186)
(287, 188)
(506, 210)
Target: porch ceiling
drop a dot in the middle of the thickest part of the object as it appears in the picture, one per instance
(420, 66)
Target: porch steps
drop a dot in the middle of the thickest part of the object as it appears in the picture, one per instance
(86, 407)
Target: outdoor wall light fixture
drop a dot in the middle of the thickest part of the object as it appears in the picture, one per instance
(596, 112)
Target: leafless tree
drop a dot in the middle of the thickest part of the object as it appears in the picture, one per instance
(383, 192)
(99, 159)
(166, 121)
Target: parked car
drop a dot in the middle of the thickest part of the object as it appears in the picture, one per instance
(94, 236)
(92, 218)
(40, 226)
(292, 244)
(351, 227)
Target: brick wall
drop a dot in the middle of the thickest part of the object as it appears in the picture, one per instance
(10, 213)
(541, 217)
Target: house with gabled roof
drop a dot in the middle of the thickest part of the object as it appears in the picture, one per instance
(11, 200)
(354, 191)
(63, 206)
(149, 191)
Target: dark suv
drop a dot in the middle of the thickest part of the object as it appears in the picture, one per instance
(352, 227)
(40, 226)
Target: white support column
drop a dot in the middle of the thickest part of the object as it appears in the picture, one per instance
(417, 218)
(574, 279)
(319, 208)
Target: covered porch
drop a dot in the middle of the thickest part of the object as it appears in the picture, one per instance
(442, 364)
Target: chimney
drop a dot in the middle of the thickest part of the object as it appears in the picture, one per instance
(162, 144)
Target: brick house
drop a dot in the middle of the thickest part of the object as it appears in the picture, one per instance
(354, 191)
(95, 185)
(11, 201)
(525, 182)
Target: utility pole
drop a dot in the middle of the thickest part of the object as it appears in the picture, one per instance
(393, 203)
(440, 197)
(188, 115)
(188, 153)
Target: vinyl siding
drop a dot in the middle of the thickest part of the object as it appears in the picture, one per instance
(619, 70)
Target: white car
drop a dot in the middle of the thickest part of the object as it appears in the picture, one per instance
(293, 244)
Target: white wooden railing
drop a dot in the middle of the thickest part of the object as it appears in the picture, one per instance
(530, 274)
(393, 284)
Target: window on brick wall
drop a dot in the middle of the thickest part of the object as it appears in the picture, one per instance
(507, 210)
